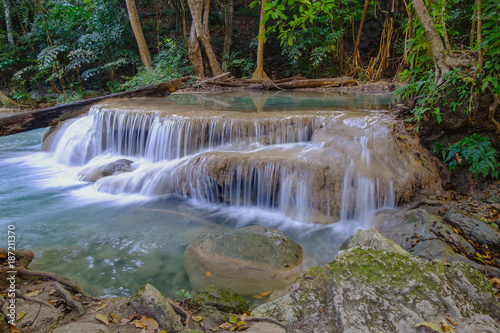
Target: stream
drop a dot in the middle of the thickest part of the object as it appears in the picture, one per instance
(315, 166)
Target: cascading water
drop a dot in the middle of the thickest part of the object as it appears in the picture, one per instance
(196, 163)
(275, 160)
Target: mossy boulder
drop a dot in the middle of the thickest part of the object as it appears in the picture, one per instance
(373, 290)
(220, 298)
(250, 260)
(151, 303)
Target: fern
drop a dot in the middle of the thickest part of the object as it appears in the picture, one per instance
(477, 152)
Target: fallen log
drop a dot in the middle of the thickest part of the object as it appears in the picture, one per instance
(51, 116)
(294, 83)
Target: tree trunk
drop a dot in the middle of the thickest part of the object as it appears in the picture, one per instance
(442, 61)
(259, 73)
(201, 29)
(139, 36)
(228, 27)
(194, 53)
(8, 22)
(479, 28)
(355, 55)
(184, 24)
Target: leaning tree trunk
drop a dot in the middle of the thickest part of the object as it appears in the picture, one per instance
(201, 29)
(442, 61)
(228, 27)
(194, 53)
(139, 36)
(259, 73)
(355, 55)
(8, 22)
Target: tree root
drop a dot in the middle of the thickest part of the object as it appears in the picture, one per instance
(19, 294)
(264, 319)
(52, 276)
(423, 201)
(69, 298)
(180, 311)
(491, 112)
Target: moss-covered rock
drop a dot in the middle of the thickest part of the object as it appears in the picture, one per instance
(250, 260)
(369, 290)
(151, 303)
(221, 298)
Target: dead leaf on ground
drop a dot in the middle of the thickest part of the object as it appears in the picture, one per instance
(239, 324)
(52, 291)
(34, 293)
(15, 330)
(115, 318)
(20, 315)
(257, 296)
(434, 327)
(225, 326)
(37, 282)
(100, 308)
(102, 318)
(265, 293)
(197, 318)
(149, 323)
(454, 323)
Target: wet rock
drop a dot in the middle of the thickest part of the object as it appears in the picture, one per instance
(482, 232)
(373, 239)
(368, 290)
(24, 257)
(280, 309)
(151, 303)
(82, 328)
(38, 318)
(265, 328)
(250, 260)
(92, 174)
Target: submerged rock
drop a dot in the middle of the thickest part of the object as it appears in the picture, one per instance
(373, 290)
(150, 302)
(92, 174)
(250, 260)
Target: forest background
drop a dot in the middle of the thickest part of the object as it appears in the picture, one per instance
(446, 52)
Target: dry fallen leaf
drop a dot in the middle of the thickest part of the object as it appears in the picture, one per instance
(150, 323)
(274, 275)
(208, 274)
(215, 328)
(197, 318)
(20, 315)
(37, 282)
(139, 324)
(225, 326)
(265, 293)
(102, 318)
(454, 323)
(52, 291)
(124, 321)
(239, 324)
(243, 316)
(115, 318)
(257, 296)
(34, 293)
(15, 330)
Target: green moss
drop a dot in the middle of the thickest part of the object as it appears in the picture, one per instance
(220, 298)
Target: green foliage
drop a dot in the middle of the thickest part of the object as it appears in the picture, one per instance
(68, 97)
(169, 64)
(183, 293)
(491, 46)
(242, 67)
(478, 153)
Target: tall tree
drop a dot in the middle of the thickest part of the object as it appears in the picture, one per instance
(139, 36)
(259, 73)
(228, 27)
(355, 55)
(442, 61)
(8, 22)
(199, 35)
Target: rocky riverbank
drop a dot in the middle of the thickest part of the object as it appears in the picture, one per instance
(436, 274)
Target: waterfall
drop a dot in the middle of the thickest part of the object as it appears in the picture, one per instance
(313, 166)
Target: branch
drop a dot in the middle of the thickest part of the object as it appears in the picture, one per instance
(31, 299)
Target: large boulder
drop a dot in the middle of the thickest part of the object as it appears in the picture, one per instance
(376, 290)
(480, 231)
(426, 235)
(250, 260)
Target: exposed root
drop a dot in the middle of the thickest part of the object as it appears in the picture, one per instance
(69, 298)
(491, 112)
(180, 311)
(423, 201)
(53, 276)
(264, 319)
(19, 294)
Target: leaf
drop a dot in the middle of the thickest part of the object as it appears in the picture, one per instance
(454, 323)
(139, 324)
(116, 318)
(15, 330)
(52, 291)
(215, 328)
(102, 318)
(239, 324)
(265, 293)
(20, 315)
(149, 323)
(434, 327)
(197, 318)
(34, 293)
(225, 326)
(208, 274)
(233, 320)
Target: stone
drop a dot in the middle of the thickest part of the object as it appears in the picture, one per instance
(151, 303)
(38, 318)
(482, 232)
(265, 328)
(220, 298)
(280, 309)
(94, 173)
(80, 327)
(3, 324)
(250, 260)
(369, 290)
(24, 257)
(374, 239)
(423, 234)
